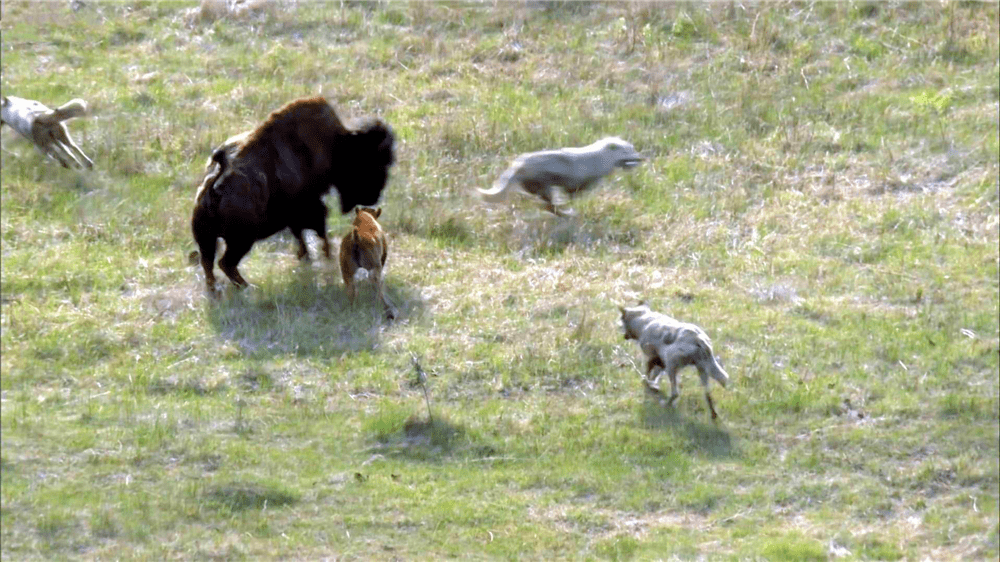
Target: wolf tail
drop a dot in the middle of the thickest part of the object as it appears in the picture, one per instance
(718, 373)
(498, 193)
(712, 364)
(68, 110)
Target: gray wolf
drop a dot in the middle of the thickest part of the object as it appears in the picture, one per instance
(556, 175)
(45, 128)
(365, 247)
(274, 177)
(671, 345)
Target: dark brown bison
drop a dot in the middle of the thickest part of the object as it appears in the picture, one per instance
(274, 177)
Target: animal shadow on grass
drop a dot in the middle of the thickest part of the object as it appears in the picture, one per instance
(307, 312)
(702, 436)
(430, 440)
(241, 496)
(548, 235)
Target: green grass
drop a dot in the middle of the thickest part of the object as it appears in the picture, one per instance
(821, 194)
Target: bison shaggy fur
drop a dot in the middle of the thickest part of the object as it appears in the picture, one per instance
(274, 177)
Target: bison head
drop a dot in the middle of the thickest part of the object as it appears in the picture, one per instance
(367, 153)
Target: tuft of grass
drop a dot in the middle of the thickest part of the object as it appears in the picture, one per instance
(793, 547)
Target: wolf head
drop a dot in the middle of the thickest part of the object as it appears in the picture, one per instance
(630, 316)
(620, 151)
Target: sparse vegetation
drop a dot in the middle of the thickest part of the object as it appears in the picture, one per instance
(821, 194)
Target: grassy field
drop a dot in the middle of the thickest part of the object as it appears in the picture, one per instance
(821, 195)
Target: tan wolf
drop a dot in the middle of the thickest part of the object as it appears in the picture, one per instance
(557, 175)
(365, 247)
(670, 345)
(44, 127)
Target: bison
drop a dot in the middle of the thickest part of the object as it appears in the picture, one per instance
(365, 247)
(274, 177)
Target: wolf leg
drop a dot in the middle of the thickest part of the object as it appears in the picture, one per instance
(674, 357)
(557, 200)
(72, 148)
(52, 149)
(81, 155)
(652, 363)
(708, 398)
(674, 393)
(704, 374)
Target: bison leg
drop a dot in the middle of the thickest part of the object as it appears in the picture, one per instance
(207, 242)
(326, 242)
(316, 221)
(313, 217)
(235, 250)
(303, 253)
(351, 289)
(376, 277)
(347, 268)
(208, 263)
(387, 309)
(348, 273)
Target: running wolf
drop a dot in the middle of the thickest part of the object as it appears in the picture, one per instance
(670, 345)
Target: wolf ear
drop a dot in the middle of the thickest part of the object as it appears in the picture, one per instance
(622, 308)
(642, 303)
(377, 213)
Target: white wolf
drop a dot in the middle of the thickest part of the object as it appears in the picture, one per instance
(44, 127)
(557, 175)
(670, 345)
